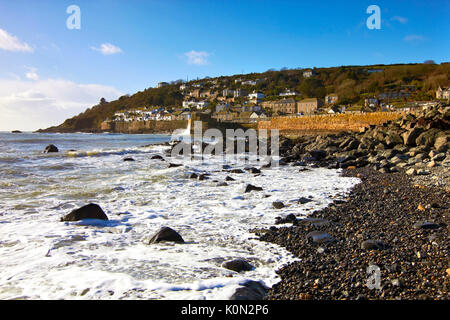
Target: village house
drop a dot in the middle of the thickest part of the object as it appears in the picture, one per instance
(240, 93)
(309, 106)
(371, 102)
(162, 84)
(443, 93)
(331, 98)
(288, 93)
(255, 97)
(222, 106)
(228, 93)
(309, 73)
(284, 106)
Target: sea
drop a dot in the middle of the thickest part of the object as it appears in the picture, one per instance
(44, 258)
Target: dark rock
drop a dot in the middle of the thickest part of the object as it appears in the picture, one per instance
(174, 165)
(409, 137)
(128, 159)
(222, 184)
(427, 225)
(157, 157)
(250, 188)
(228, 178)
(304, 200)
(166, 234)
(203, 177)
(319, 237)
(16, 131)
(51, 148)
(90, 211)
(237, 171)
(237, 265)
(373, 245)
(278, 205)
(251, 290)
(290, 218)
(193, 176)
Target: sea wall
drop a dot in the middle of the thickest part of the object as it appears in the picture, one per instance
(151, 126)
(338, 122)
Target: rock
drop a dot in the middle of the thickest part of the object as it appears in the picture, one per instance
(202, 177)
(439, 157)
(373, 245)
(290, 218)
(253, 170)
(278, 205)
(409, 137)
(251, 290)
(315, 222)
(250, 188)
(319, 237)
(228, 178)
(423, 172)
(426, 225)
(16, 131)
(237, 265)
(411, 172)
(90, 211)
(222, 184)
(128, 159)
(237, 171)
(193, 176)
(51, 148)
(174, 165)
(303, 200)
(157, 157)
(441, 143)
(165, 234)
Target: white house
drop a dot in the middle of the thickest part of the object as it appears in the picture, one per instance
(287, 93)
(256, 95)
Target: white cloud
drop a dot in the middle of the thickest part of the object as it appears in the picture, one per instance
(414, 38)
(197, 57)
(107, 49)
(402, 20)
(9, 42)
(32, 74)
(31, 105)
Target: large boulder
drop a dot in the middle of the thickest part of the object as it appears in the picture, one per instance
(251, 290)
(441, 143)
(51, 148)
(251, 188)
(90, 211)
(165, 234)
(410, 136)
(427, 138)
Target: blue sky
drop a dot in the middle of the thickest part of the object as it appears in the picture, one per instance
(145, 42)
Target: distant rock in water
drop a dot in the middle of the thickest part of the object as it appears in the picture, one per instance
(251, 290)
(174, 165)
(251, 188)
(129, 159)
(157, 157)
(90, 211)
(165, 234)
(16, 131)
(51, 148)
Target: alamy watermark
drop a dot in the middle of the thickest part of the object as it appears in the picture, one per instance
(74, 20)
(374, 20)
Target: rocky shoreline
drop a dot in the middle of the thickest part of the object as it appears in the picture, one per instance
(387, 222)
(389, 238)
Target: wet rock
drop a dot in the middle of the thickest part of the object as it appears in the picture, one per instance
(373, 245)
(409, 137)
(222, 184)
(251, 188)
(228, 178)
(128, 159)
(251, 290)
(193, 176)
(315, 222)
(165, 234)
(290, 218)
(278, 205)
(319, 237)
(237, 171)
(427, 225)
(174, 165)
(202, 177)
(304, 200)
(237, 265)
(51, 148)
(90, 211)
(157, 157)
